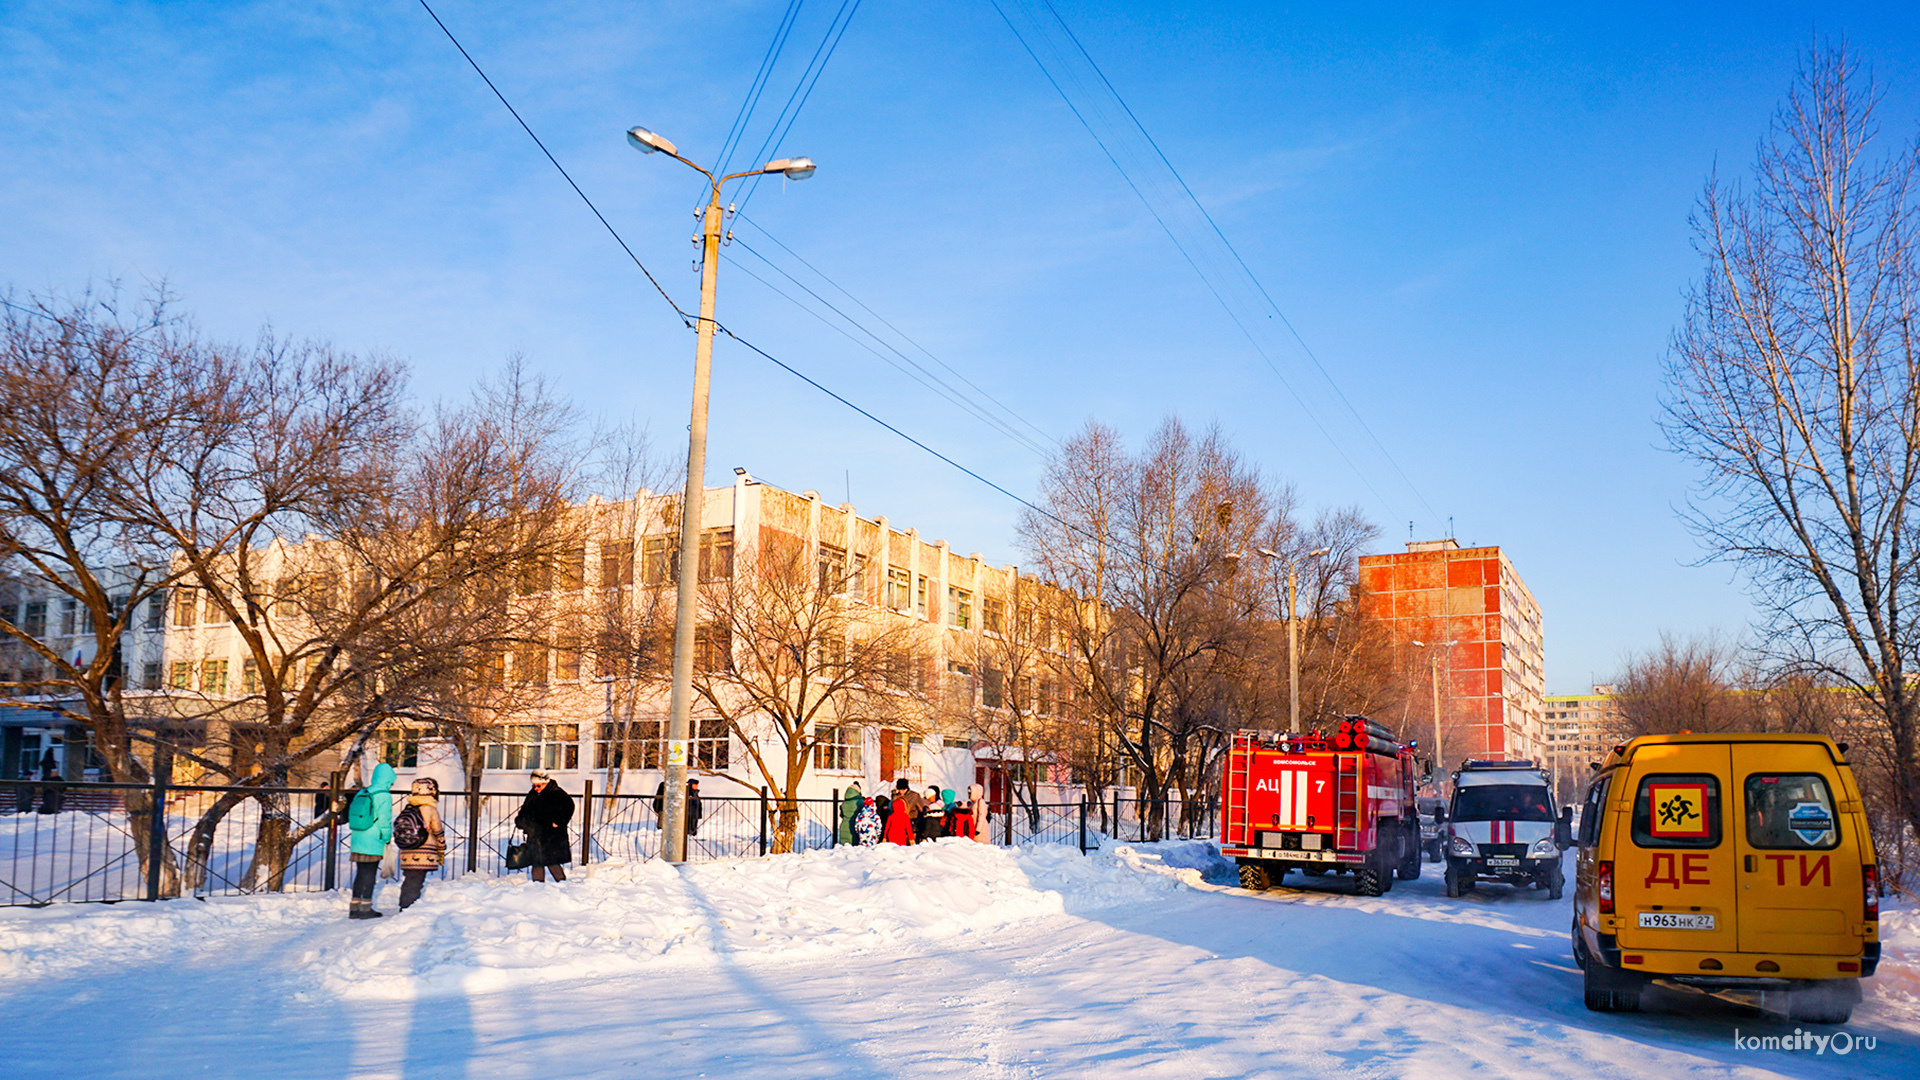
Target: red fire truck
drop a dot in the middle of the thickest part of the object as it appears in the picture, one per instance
(1319, 801)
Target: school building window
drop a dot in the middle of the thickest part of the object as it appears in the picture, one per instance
(959, 608)
(213, 676)
(519, 747)
(181, 676)
(838, 748)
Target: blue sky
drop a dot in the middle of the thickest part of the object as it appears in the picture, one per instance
(1475, 218)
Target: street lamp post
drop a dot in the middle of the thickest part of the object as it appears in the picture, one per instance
(673, 840)
(1433, 665)
(1293, 632)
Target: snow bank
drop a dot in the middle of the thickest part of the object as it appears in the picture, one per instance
(620, 918)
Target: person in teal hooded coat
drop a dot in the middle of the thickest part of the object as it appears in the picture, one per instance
(850, 804)
(370, 825)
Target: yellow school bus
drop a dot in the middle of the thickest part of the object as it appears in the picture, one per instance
(1737, 865)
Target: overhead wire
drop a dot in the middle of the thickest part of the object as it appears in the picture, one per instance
(1116, 543)
(905, 364)
(923, 350)
(767, 62)
(809, 78)
(684, 317)
(1272, 305)
(1219, 284)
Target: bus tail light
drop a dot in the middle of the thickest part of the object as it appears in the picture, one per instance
(1604, 878)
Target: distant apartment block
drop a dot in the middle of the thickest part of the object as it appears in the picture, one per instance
(1578, 731)
(1476, 620)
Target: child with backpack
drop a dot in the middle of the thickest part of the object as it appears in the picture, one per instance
(421, 837)
(370, 827)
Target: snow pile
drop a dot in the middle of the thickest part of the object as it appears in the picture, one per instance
(1897, 981)
(621, 918)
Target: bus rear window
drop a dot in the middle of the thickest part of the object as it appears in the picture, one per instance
(1677, 810)
(1792, 811)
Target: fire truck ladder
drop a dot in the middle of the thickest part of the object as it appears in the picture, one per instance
(1239, 780)
(1346, 801)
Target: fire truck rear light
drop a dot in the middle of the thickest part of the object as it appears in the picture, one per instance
(1603, 879)
(1870, 877)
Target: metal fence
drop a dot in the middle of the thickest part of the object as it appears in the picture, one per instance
(84, 841)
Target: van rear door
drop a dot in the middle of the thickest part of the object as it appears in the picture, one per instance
(1674, 869)
(1800, 879)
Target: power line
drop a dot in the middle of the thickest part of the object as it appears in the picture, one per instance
(774, 48)
(1190, 251)
(809, 78)
(1248, 270)
(923, 350)
(684, 317)
(914, 371)
(1114, 542)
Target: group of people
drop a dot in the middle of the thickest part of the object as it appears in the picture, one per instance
(419, 835)
(909, 817)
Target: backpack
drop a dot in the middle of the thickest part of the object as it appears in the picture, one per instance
(410, 829)
(361, 814)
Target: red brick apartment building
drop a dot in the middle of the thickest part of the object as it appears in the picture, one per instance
(1480, 629)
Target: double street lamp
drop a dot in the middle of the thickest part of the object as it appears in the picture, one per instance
(673, 841)
(1293, 629)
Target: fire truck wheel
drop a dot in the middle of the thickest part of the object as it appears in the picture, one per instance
(1255, 876)
(1556, 882)
(1410, 864)
(1366, 882)
(1456, 887)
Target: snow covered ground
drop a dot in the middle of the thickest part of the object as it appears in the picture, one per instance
(952, 959)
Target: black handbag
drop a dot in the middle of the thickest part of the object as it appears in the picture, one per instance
(519, 856)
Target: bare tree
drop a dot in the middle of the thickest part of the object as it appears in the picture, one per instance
(787, 652)
(1796, 386)
(1153, 544)
(1685, 684)
(1023, 671)
(87, 385)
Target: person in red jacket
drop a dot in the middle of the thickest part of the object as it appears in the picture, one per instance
(899, 828)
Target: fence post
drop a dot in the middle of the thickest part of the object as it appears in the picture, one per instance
(763, 819)
(1083, 823)
(586, 823)
(473, 822)
(334, 780)
(1115, 833)
(833, 821)
(157, 817)
(1006, 833)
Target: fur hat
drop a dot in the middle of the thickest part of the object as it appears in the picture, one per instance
(426, 785)
(540, 774)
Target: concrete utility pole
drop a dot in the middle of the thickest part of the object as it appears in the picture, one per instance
(1433, 665)
(673, 817)
(1293, 632)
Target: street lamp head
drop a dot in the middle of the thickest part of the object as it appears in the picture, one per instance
(1268, 552)
(1418, 643)
(792, 168)
(1318, 552)
(647, 142)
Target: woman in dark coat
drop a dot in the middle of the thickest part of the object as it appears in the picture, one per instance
(544, 817)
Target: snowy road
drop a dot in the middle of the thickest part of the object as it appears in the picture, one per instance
(954, 960)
